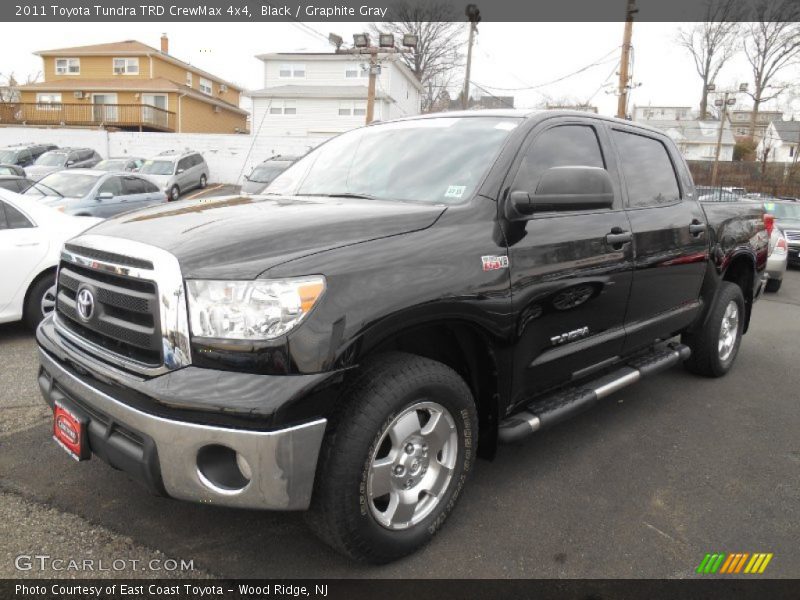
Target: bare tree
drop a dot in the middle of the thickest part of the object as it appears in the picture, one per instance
(9, 86)
(771, 45)
(438, 55)
(712, 43)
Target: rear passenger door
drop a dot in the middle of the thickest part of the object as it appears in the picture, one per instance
(185, 174)
(569, 280)
(670, 237)
(134, 192)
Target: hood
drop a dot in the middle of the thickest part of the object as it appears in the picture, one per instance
(239, 237)
(36, 172)
(253, 187)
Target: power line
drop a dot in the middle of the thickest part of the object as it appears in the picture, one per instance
(600, 61)
(483, 89)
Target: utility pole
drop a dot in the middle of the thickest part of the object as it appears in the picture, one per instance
(362, 46)
(728, 99)
(625, 59)
(474, 17)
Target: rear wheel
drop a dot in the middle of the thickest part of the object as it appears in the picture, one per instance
(203, 181)
(773, 285)
(395, 458)
(715, 346)
(41, 300)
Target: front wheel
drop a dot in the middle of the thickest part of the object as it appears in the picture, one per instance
(395, 459)
(41, 300)
(715, 346)
(773, 285)
(174, 193)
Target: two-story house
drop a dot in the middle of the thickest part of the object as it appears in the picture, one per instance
(128, 86)
(740, 119)
(324, 94)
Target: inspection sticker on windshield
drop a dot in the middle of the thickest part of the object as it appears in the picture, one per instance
(493, 263)
(455, 191)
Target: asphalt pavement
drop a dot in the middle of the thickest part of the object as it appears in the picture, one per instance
(643, 485)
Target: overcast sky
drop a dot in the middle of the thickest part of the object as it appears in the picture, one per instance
(506, 55)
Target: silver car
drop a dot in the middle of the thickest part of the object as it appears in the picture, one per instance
(177, 173)
(63, 158)
(778, 258)
(129, 164)
(86, 192)
(262, 175)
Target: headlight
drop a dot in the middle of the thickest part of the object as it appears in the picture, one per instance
(251, 310)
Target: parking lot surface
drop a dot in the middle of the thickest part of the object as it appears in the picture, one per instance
(643, 485)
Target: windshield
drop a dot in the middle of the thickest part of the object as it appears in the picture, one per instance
(266, 173)
(157, 167)
(51, 160)
(783, 211)
(438, 160)
(70, 185)
(110, 165)
(7, 156)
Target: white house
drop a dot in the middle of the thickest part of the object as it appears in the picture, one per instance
(782, 139)
(323, 94)
(662, 113)
(696, 139)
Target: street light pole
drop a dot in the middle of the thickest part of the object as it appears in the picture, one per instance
(373, 75)
(728, 99)
(474, 17)
(625, 59)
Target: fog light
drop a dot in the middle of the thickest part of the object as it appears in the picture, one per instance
(244, 466)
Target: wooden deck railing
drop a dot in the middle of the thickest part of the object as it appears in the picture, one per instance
(108, 115)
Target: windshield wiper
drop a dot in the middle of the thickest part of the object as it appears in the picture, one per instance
(38, 185)
(345, 195)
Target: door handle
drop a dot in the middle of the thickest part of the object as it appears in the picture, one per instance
(618, 238)
(697, 228)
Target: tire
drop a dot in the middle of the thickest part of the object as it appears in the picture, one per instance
(773, 285)
(373, 422)
(174, 193)
(203, 181)
(40, 295)
(710, 356)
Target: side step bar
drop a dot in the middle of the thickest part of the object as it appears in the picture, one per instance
(567, 403)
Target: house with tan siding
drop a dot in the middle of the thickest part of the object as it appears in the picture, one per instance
(127, 86)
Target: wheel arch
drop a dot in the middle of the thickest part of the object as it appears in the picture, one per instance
(741, 270)
(465, 347)
(45, 273)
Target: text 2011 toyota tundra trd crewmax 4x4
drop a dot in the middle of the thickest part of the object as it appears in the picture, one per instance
(405, 297)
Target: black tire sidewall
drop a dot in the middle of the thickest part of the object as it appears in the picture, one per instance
(33, 304)
(397, 542)
(729, 293)
(174, 193)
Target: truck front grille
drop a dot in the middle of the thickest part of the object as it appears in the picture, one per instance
(125, 318)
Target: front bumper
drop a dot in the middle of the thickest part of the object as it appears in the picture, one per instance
(187, 460)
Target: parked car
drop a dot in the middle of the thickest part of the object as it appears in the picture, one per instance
(262, 175)
(23, 155)
(130, 164)
(12, 170)
(177, 172)
(14, 183)
(86, 192)
(777, 261)
(31, 236)
(402, 299)
(787, 219)
(63, 158)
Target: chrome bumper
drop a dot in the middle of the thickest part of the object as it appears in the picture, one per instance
(282, 463)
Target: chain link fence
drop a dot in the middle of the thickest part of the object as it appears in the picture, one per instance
(781, 180)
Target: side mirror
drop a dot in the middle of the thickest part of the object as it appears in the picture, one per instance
(69, 163)
(564, 189)
(104, 196)
(179, 171)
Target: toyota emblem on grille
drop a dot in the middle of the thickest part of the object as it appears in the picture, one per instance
(85, 304)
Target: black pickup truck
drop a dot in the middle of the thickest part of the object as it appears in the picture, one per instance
(400, 301)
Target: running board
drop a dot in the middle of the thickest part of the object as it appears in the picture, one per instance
(569, 402)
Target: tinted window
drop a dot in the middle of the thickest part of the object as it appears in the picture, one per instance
(649, 174)
(563, 146)
(15, 219)
(132, 185)
(185, 163)
(196, 160)
(110, 185)
(9, 184)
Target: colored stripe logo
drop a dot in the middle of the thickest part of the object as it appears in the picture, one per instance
(734, 563)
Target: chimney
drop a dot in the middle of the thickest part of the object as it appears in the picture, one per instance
(164, 44)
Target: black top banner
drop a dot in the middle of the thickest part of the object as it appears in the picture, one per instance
(397, 10)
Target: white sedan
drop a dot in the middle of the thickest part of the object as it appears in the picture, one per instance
(31, 236)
